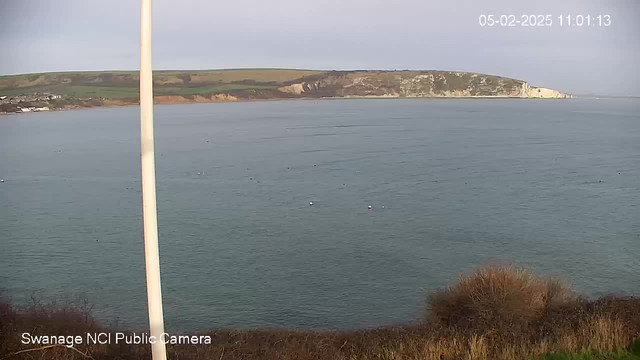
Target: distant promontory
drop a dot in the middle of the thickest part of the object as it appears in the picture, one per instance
(68, 90)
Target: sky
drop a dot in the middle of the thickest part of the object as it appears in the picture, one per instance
(67, 35)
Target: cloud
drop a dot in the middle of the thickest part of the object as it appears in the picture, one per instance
(331, 34)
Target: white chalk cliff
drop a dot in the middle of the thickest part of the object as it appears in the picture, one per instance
(414, 84)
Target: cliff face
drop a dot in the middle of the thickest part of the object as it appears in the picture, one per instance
(541, 93)
(88, 89)
(414, 84)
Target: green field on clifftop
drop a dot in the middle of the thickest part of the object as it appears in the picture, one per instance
(124, 84)
(265, 84)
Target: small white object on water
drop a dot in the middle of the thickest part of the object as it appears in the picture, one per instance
(310, 203)
(369, 207)
(1, 180)
(383, 206)
(199, 173)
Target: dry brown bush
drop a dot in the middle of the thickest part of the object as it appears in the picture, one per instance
(497, 299)
(552, 319)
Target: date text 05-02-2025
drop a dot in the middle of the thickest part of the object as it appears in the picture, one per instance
(544, 20)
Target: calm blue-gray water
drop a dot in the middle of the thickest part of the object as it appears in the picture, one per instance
(453, 184)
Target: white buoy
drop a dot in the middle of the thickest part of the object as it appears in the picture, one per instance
(369, 207)
(2, 180)
(383, 206)
(310, 203)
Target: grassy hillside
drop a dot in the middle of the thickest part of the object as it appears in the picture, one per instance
(99, 88)
(124, 84)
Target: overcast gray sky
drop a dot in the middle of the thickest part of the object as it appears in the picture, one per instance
(41, 36)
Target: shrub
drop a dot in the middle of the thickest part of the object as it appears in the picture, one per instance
(560, 327)
(497, 299)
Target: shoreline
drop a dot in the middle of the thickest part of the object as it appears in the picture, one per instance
(364, 97)
(73, 90)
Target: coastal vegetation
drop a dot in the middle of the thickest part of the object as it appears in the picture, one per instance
(497, 312)
(107, 88)
(124, 84)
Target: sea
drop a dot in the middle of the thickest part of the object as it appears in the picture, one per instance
(452, 184)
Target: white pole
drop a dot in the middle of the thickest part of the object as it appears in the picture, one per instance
(149, 211)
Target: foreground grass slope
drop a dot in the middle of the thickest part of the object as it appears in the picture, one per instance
(494, 313)
(618, 355)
